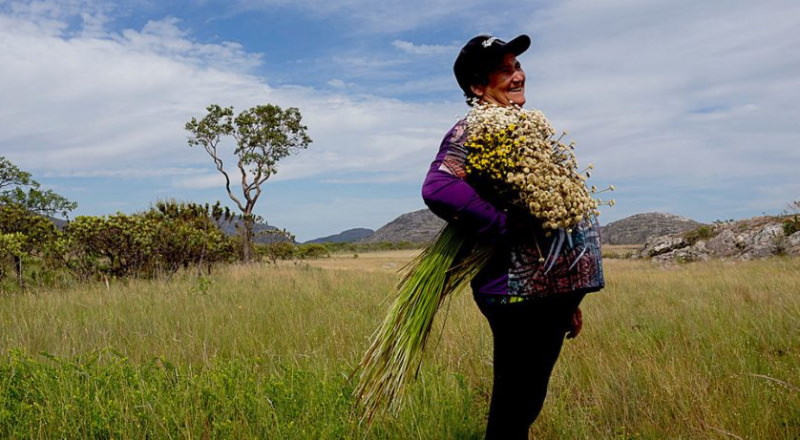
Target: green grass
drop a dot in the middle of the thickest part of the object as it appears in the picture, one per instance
(701, 350)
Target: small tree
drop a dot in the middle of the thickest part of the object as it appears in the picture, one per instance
(18, 188)
(264, 135)
(25, 234)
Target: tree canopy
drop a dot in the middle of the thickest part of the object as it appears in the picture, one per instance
(17, 187)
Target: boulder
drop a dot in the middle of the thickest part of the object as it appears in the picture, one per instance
(763, 242)
(664, 244)
(793, 244)
(725, 244)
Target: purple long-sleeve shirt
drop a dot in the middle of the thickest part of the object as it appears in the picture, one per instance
(450, 197)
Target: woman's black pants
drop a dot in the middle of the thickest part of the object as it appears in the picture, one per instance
(527, 341)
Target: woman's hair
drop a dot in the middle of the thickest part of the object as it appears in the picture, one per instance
(478, 78)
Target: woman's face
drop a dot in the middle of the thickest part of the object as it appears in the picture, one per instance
(506, 84)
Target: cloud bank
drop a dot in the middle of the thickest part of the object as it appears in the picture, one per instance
(686, 107)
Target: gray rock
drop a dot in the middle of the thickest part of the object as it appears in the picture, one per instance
(665, 244)
(725, 244)
(793, 242)
(764, 242)
(746, 239)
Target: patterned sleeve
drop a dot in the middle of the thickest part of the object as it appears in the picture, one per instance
(450, 197)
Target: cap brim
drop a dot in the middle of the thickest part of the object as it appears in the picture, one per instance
(518, 45)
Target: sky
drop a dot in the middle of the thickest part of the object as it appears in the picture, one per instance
(686, 107)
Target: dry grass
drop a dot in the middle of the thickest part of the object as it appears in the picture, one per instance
(380, 261)
(691, 351)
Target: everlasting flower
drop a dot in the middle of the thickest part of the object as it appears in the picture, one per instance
(515, 149)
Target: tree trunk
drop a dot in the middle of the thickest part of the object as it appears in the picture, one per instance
(18, 269)
(247, 238)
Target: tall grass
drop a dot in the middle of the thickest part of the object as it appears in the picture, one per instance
(703, 350)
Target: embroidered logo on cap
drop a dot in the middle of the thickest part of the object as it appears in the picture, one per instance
(489, 41)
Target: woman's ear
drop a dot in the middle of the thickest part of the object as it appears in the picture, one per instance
(478, 90)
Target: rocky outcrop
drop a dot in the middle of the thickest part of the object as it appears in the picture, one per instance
(421, 226)
(636, 229)
(414, 227)
(745, 239)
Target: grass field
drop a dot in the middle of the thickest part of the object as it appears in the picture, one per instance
(696, 351)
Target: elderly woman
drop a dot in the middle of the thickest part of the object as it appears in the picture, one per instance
(528, 330)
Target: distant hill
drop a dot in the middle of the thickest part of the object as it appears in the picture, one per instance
(348, 236)
(60, 223)
(421, 226)
(414, 227)
(264, 233)
(636, 229)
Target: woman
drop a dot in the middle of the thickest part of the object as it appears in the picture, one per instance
(528, 327)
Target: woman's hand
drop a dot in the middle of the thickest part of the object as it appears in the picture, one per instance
(575, 324)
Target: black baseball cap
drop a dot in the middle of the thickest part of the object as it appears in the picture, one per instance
(482, 54)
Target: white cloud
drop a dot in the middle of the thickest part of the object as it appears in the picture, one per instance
(392, 16)
(424, 49)
(106, 103)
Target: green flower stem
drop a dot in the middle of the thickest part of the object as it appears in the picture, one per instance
(395, 354)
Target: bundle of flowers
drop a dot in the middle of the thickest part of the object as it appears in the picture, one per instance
(515, 153)
(516, 150)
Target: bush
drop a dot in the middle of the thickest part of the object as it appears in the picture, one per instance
(704, 232)
(312, 250)
(791, 223)
(282, 250)
(164, 239)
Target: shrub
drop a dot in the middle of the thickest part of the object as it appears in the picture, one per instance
(791, 221)
(312, 250)
(281, 250)
(704, 232)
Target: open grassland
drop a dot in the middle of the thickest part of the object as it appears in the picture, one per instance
(697, 351)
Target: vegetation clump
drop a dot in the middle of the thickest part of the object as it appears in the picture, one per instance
(701, 233)
(791, 220)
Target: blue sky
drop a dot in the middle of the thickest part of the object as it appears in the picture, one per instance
(686, 107)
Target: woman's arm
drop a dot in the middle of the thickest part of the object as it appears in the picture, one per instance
(454, 200)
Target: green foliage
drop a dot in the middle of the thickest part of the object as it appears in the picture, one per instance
(105, 395)
(26, 234)
(188, 234)
(12, 243)
(281, 250)
(17, 187)
(37, 232)
(264, 135)
(119, 245)
(168, 237)
(704, 232)
(284, 250)
(312, 250)
(791, 220)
